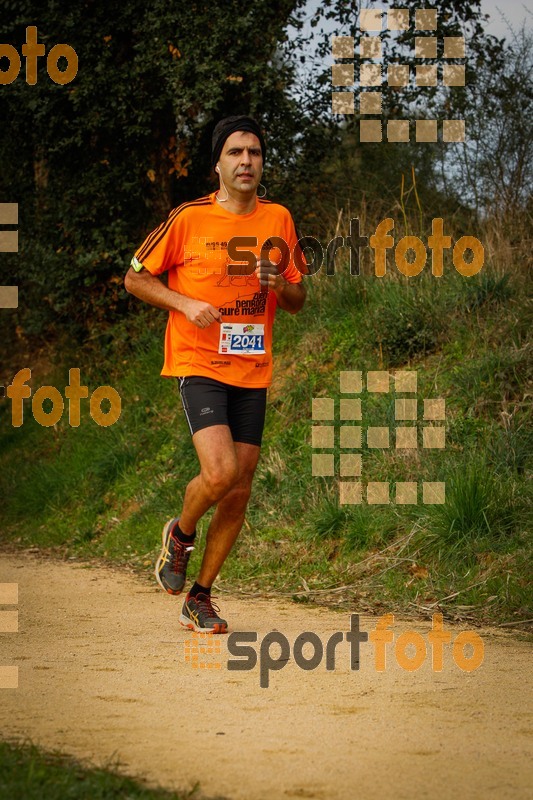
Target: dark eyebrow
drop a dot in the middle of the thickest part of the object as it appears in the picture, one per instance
(240, 149)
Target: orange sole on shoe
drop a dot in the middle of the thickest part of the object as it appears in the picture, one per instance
(215, 629)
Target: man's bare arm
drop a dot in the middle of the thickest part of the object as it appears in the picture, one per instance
(151, 289)
(290, 296)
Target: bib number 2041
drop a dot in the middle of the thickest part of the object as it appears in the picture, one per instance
(242, 338)
(247, 343)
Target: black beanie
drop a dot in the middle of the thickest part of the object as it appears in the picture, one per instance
(229, 125)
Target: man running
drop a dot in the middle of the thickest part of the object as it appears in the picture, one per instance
(218, 344)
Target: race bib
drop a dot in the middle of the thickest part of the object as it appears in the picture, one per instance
(241, 338)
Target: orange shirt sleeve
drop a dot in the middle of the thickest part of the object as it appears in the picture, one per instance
(163, 247)
(297, 264)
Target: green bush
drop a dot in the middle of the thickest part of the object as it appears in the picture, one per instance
(409, 320)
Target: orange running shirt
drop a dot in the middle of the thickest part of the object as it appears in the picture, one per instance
(192, 246)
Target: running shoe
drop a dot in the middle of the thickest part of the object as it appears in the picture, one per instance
(171, 566)
(200, 614)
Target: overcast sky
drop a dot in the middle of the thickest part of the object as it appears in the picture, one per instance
(519, 13)
(516, 13)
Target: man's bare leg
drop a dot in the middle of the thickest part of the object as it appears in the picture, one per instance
(221, 472)
(228, 518)
(226, 473)
(218, 473)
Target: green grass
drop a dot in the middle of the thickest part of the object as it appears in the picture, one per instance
(105, 492)
(29, 773)
(409, 320)
(478, 508)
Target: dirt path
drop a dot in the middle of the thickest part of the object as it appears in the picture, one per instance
(102, 671)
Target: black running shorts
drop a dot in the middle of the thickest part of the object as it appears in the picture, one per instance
(209, 402)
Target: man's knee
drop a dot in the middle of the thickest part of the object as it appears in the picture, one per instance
(239, 494)
(219, 481)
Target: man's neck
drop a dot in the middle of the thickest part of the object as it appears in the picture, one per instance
(238, 205)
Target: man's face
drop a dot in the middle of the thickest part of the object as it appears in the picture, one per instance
(241, 162)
